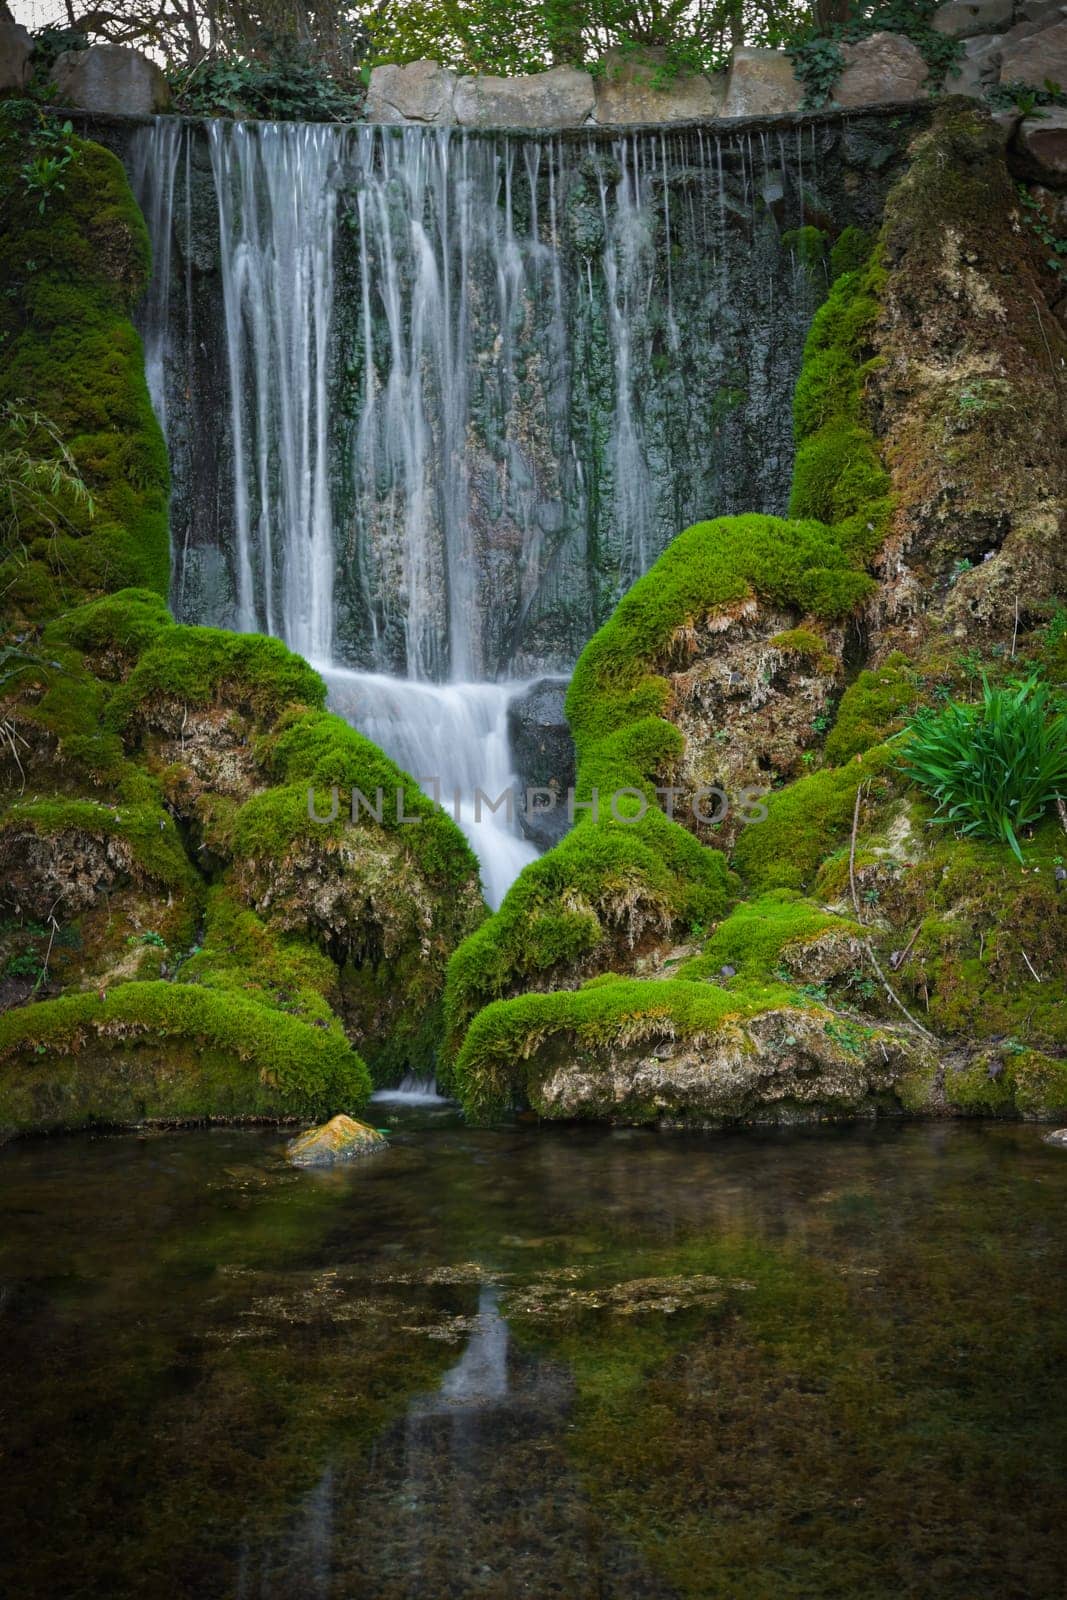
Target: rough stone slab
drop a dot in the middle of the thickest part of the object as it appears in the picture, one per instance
(884, 67)
(1039, 10)
(978, 67)
(1033, 60)
(110, 79)
(421, 91)
(628, 92)
(16, 48)
(963, 19)
(1041, 147)
(561, 98)
(761, 83)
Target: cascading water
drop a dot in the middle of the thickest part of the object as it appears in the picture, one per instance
(454, 739)
(429, 408)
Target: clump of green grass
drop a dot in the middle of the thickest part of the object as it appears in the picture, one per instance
(995, 767)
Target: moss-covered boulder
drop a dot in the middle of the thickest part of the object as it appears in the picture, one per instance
(168, 1052)
(682, 1052)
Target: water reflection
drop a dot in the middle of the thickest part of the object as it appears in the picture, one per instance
(555, 1362)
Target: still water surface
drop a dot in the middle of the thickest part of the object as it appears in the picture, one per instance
(556, 1362)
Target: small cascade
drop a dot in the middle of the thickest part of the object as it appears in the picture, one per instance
(453, 738)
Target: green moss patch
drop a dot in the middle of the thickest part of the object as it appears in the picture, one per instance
(198, 666)
(752, 938)
(872, 708)
(72, 270)
(805, 823)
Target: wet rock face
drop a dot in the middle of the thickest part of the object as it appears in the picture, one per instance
(783, 1065)
(543, 753)
(112, 80)
(753, 695)
(551, 448)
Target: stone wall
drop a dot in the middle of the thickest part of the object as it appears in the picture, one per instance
(1004, 43)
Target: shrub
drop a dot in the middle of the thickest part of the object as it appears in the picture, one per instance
(993, 768)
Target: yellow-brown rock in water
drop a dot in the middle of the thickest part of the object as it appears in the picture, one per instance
(340, 1139)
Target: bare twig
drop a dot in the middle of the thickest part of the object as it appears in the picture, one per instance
(868, 948)
(898, 958)
(1030, 964)
(1044, 336)
(1015, 630)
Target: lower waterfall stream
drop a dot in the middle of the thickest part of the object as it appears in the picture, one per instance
(453, 738)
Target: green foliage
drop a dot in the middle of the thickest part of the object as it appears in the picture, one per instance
(291, 84)
(1048, 236)
(993, 768)
(195, 1041)
(1025, 97)
(43, 174)
(517, 36)
(38, 474)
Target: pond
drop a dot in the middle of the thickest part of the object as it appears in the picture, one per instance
(528, 1361)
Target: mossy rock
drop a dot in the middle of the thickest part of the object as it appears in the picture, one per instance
(168, 1052)
(679, 1052)
(600, 898)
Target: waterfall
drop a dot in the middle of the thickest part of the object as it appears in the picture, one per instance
(429, 407)
(453, 738)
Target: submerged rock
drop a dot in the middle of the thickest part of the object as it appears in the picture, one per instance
(1058, 1136)
(340, 1139)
